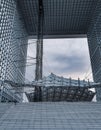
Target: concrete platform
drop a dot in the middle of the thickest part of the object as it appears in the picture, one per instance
(51, 116)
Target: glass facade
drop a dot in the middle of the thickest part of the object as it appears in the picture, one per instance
(94, 42)
(13, 49)
(13, 42)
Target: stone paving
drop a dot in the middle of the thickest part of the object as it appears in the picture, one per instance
(51, 116)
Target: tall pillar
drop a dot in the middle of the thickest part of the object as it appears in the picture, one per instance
(39, 59)
(39, 55)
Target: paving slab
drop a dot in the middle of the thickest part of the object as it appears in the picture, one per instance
(52, 116)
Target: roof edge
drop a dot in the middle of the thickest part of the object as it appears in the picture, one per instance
(59, 36)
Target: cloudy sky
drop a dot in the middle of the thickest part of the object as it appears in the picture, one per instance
(63, 57)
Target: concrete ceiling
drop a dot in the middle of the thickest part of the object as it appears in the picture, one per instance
(62, 18)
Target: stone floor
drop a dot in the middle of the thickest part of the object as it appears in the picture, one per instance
(50, 116)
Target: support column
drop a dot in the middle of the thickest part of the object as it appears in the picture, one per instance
(39, 49)
(39, 53)
(39, 59)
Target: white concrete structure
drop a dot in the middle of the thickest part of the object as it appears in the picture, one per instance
(50, 116)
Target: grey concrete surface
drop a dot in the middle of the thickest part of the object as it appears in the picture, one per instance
(51, 116)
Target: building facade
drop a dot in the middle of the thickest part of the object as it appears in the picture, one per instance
(13, 42)
(94, 42)
(71, 18)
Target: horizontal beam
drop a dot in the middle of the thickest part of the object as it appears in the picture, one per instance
(59, 36)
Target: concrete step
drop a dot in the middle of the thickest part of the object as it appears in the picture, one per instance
(4, 107)
(52, 116)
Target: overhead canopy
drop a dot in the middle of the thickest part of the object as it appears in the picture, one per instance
(62, 18)
(55, 88)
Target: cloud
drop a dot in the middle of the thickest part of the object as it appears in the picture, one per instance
(73, 63)
(64, 57)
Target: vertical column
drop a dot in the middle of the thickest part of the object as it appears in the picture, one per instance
(39, 59)
(39, 55)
